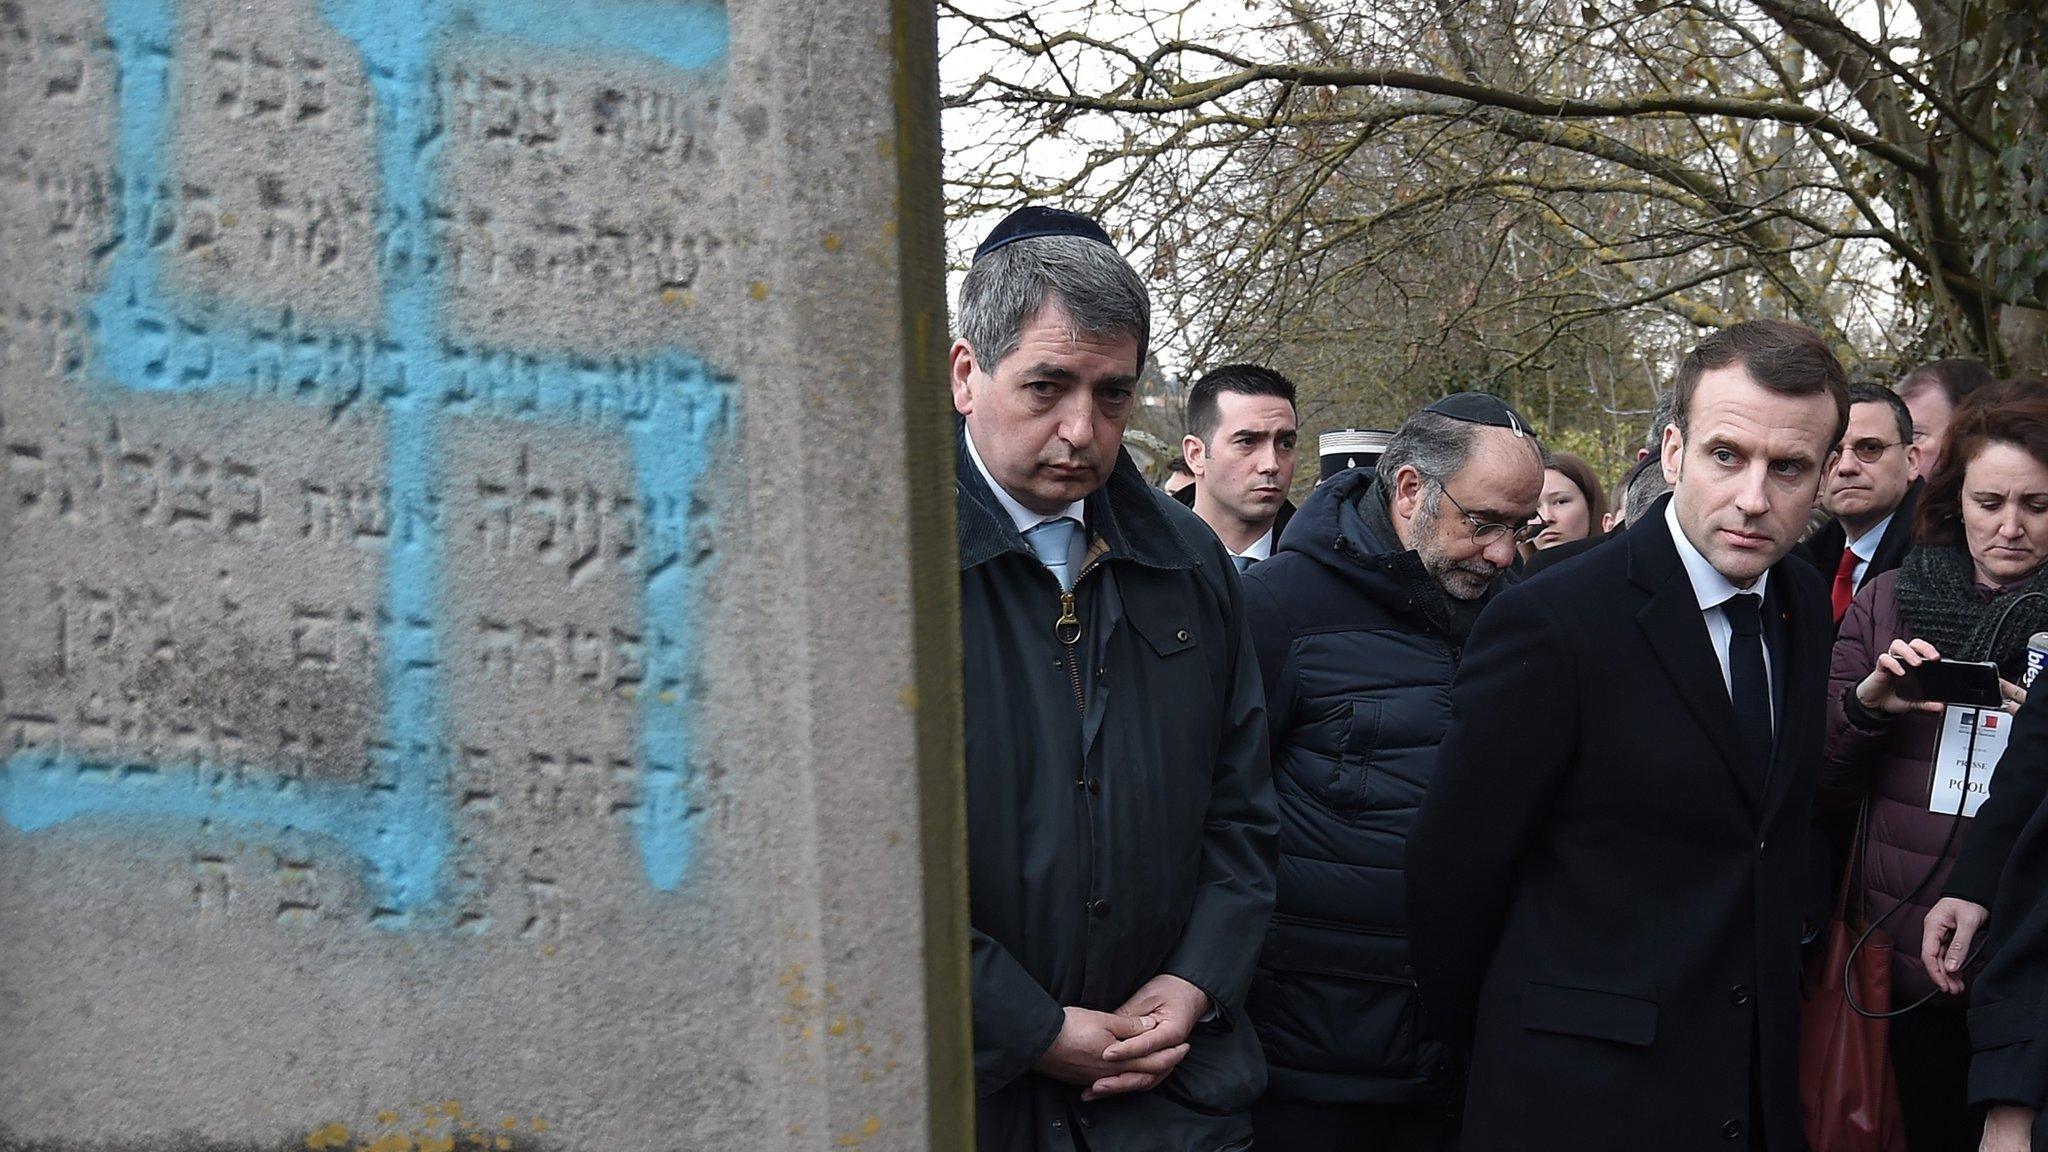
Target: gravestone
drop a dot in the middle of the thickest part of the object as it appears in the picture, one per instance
(475, 584)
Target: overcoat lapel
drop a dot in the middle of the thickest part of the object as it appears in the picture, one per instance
(1802, 664)
(1676, 633)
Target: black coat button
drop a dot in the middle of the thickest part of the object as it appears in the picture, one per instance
(1732, 1130)
(1094, 784)
(1739, 995)
(1098, 909)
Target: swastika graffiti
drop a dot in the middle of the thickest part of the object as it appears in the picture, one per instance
(143, 340)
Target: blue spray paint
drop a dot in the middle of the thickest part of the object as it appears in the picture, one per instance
(403, 828)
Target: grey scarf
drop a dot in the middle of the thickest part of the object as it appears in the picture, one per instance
(1942, 604)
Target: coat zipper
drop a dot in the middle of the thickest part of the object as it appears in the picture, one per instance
(1067, 630)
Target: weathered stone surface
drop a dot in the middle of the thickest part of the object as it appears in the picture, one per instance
(460, 652)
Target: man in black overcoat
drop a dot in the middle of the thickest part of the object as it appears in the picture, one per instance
(1120, 810)
(1604, 882)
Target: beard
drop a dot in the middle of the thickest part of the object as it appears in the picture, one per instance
(1466, 579)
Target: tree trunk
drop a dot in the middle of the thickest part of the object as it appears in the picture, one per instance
(2023, 340)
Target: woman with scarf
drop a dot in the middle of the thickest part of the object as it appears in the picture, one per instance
(1973, 588)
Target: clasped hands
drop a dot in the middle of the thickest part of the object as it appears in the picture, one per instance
(1131, 1049)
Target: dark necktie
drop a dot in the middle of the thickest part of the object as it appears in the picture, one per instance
(1749, 682)
(1845, 583)
(1244, 563)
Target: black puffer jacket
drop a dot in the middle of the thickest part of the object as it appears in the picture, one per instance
(1357, 652)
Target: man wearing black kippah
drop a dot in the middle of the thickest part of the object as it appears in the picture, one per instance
(1359, 621)
(1605, 880)
(1120, 809)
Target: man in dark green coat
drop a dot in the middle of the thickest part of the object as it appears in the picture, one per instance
(1121, 822)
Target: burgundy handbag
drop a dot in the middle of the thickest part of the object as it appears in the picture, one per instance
(1848, 1098)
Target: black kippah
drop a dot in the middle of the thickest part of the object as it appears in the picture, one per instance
(1033, 222)
(1480, 408)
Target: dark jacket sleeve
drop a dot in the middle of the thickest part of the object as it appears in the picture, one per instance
(2009, 1000)
(2010, 1064)
(2016, 791)
(1274, 643)
(1015, 1020)
(1495, 776)
(1240, 838)
(1853, 751)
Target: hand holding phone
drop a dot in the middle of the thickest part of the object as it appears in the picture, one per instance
(1881, 690)
(1969, 682)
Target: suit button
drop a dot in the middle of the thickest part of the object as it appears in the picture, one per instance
(1732, 1130)
(1094, 784)
(1098, 909)
(1087, 1122)
(1059, 1125)
(1739, 995)
(1181, 635)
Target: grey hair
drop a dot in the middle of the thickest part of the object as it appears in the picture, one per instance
(1437, 446)
(1089, 281)
(1644, 490)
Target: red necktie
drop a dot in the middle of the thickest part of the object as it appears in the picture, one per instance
(1845, 583)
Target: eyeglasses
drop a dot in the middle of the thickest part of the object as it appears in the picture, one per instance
(1487, 531)
(1871, 451)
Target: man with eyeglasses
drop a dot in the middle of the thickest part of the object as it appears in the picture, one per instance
(1871, 492)
(1359, 620)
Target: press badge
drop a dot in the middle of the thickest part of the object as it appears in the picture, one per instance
(1946, 792)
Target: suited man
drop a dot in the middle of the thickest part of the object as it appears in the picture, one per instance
(1240, 443)
(1871, 492)
(1604, 881)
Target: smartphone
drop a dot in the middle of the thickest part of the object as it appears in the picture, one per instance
(1968, 682)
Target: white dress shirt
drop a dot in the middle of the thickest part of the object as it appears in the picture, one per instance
(1260, 549)
(1713, 590)
(1865, 547)
(1024, 518)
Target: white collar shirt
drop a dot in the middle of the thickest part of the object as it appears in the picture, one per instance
(1024, 518)
(1713, 590)
(1260, 549)
(1865, 547)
